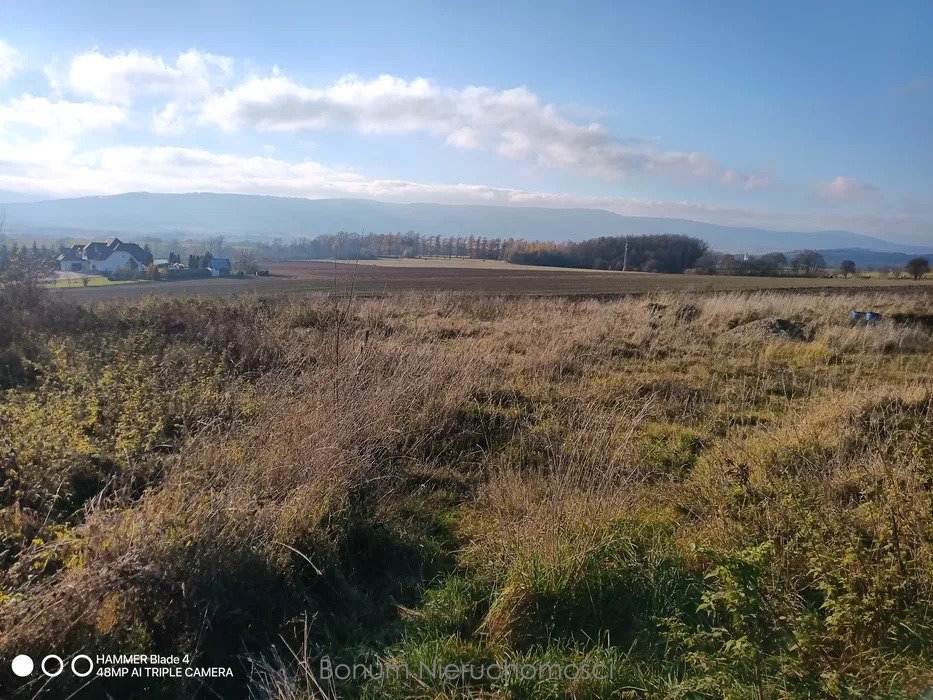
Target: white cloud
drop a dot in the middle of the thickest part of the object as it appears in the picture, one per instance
(37, 157)
(196, 89)
(756, 181)
(120, 77)
(846, 188)
(168, 120)
(57, 166)
(514, 123)
(11, 61)
(59, 116)
(465, 137)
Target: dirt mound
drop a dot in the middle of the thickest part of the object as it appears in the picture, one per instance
(766, 328)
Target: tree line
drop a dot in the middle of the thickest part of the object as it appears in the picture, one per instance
(647, 253)
(348, 246)
(807, 263)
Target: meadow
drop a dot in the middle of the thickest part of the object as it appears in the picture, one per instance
(711, 493)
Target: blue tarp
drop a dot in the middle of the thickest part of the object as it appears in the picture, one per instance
(864, 316)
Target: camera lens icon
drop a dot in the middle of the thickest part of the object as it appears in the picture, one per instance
(54, 668)
(22, 665)
(52, 665)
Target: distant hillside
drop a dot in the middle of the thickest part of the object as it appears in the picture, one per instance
(869, 259)
(264, 217)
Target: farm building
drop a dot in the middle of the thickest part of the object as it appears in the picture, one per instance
(219, 267)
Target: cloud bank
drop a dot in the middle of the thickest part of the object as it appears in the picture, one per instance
(59, 116)
(59, 166)
(515, 123)
(129, 120)
(121, 77)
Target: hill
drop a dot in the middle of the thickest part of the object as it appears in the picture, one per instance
(868, 259)
(256, 216)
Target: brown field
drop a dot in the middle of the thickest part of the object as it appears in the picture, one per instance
(374, 278)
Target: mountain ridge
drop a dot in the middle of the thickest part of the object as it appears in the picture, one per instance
(267, 216)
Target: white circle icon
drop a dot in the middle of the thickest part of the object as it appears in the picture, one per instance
(85, 658)
(22, 665)
(54, 657)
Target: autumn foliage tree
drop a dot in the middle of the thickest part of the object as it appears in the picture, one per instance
(649, 253)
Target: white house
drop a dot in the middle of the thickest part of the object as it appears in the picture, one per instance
(103, 258)
(116, 259)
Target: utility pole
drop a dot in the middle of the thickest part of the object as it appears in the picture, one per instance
(625, 256)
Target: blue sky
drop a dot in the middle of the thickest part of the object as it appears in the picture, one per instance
(781, 115)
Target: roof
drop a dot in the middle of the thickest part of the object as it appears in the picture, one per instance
(220, 263)
(139, 253)
(97, 251)
(69, 255)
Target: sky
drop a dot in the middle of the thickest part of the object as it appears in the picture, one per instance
(791, 115)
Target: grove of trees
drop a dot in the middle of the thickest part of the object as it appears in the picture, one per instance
(648, 253)
(808, 262)
(350, 246)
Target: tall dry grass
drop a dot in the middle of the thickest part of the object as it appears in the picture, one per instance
(567, 455)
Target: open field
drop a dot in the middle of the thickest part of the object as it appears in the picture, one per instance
(310, 277)
(713, 495)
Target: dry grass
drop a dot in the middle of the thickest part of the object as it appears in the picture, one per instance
(575, 460)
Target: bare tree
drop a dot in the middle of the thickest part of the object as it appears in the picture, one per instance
(216, 246)
(246, 262)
